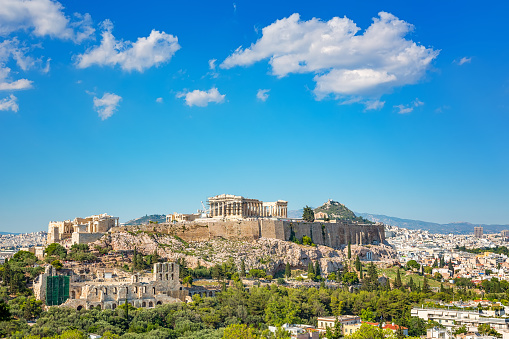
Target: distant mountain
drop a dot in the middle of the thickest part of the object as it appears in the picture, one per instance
(454, 227)
(295, 214)
(147, 219)
(5, 233)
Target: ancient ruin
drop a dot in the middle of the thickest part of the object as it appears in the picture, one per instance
(237, 207)
(81, 230)
(108, 291)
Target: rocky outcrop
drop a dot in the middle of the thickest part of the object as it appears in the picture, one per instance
(263, 253)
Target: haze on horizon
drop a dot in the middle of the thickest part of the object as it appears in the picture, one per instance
(397, 108)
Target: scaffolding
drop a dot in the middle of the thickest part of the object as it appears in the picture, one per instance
(57, 290)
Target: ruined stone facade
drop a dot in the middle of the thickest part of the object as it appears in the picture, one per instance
(81, 230)
(108, 293)
(228, 206)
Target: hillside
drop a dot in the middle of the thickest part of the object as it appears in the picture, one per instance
(159, 218)
(454, 227)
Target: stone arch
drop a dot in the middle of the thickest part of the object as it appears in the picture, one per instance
(79, 308)
(210, 294)
(113, 306)
(159, 303)
(114, 290)
(99, 307)
(150, 304)
(73, 294)
(167, 276)
(172, 276)
(160, 277)
(106, 291)
(96, 291)
(135, 289)
(153, 290)
(91, 307)
(143, 304)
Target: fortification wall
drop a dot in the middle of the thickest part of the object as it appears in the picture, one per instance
(85, 238)
(333, 235)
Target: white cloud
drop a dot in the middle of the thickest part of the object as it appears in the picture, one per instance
(202, 98)
(107, 105)
(9, 103)
(212, 64)
(153, 50)
(374, 105)
(402, 109)
(159, 100)
(43, 18)
(464, 60)
(7, 85)
(262, 94)
(344, 62)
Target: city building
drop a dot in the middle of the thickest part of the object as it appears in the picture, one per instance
(455, 318)
(349, 323)
(478, 231)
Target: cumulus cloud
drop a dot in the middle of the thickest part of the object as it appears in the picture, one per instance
(202, 98)
(43, 18)
(9, 103)
(262, 94)
(159, 100)
(153, 50)
(14, 50)
(345, 63)
(402, 109)
(107, 105)
(464, 60)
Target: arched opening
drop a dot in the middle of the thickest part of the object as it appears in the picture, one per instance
(79, 308)
(167, 276)
(143, 304)
(98, 307)
(150, 304)
(73, 294)
(159, 303)
(105, 291)
(172, 276)
(114, 290)
(135, 289)
(160, 277)
(127, 290)
(114, 306)
(91, 307)
(96, 291)
(153, 290)
(172, 268)
(210, 294)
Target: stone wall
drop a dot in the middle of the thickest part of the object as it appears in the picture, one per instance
(334, 235)
(85, 238)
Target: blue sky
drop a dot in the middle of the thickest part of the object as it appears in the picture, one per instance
(398, 108)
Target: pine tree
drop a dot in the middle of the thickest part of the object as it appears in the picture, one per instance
(411, 284)
(425, 286)
(397, 281)
(349, 250)
(361, 274)
(317, 268)
(310, 268)
(358, 264)
(442, 262)
(308, 214)
(435, 263)
(288, 271)
(450, 267)
(422, 269)
(442, 288)
(243, 268)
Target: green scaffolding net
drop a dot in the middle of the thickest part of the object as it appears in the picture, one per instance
(57, 290)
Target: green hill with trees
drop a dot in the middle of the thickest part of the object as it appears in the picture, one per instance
(336, 210)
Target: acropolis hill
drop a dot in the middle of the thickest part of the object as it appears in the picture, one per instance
(235, 218)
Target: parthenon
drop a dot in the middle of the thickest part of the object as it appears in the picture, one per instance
(237, 207)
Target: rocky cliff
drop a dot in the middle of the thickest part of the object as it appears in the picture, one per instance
(263, 253)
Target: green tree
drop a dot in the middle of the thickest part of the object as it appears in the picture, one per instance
(5, 314)
(308, 214)
(188, 280)
(57, 250)
(335, 332)
(349, 250)
(425, 286)
(413, 264)
(311, 270)
(57, 264)
(237, 331)
(242, 268)
(358, 264)
(317, 268)
(288, 271)
(397, 282)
